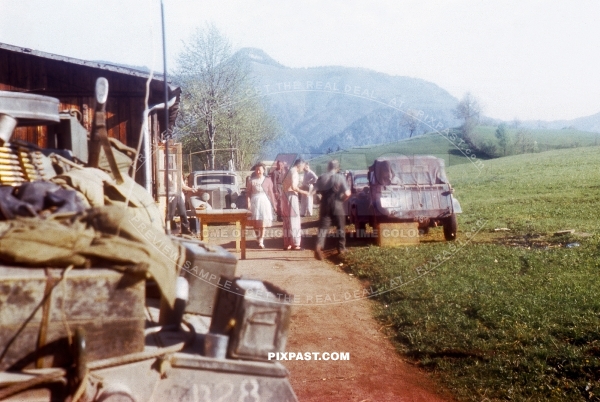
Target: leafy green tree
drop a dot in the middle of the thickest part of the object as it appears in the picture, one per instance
(502, 136)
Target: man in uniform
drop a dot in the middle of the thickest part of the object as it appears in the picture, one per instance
(176, 203)
(334, 191)
(277, 176)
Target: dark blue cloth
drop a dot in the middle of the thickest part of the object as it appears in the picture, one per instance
(30, 199)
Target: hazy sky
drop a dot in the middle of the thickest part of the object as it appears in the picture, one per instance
(526, 59)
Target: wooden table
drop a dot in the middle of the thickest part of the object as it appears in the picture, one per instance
(239, 216)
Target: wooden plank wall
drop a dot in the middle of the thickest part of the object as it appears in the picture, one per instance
(73, 85)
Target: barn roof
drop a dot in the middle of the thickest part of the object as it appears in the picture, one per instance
(120, 69)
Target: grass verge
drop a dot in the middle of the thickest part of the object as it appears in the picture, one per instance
(507, 315)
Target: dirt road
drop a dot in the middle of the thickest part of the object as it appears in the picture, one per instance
(331, 315)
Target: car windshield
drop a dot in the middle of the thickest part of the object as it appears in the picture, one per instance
(361, 180)
(215, 179)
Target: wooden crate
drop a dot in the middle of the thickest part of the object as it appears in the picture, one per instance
(107, 304)
(397, 234)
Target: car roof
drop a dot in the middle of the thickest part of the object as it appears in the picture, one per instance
(403, 170)
(425, 159)
(213, 172)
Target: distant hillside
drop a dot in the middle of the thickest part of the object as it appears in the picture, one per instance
(325, 108)
(587, 123)
(440, 146)
(362, 157)
(542, 139)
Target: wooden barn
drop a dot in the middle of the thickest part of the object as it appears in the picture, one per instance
(72, 81)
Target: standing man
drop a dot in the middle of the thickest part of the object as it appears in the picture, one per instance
(277, 177)
(292, 230)
(334, 191)
(306, 202)
(176, 204)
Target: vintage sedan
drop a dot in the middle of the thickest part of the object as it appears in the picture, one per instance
(407, 189)
(219, 188)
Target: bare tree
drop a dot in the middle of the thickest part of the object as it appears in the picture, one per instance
(469, 111)
(410, 121)
(211, 79)
(523, 142)
(249, 128)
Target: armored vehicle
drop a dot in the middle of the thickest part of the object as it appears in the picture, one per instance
(407, 189)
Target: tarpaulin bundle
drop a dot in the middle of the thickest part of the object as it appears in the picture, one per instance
(39, 197)
(103, 237)
(100, 189)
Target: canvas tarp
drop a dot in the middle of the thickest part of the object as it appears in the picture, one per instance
(405, 170)
(100, 189)
(107, 237)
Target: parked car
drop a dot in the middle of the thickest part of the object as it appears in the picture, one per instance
(358, 182)
(219, 188)
(407, 189)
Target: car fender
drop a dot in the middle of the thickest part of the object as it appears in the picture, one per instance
(456, 206)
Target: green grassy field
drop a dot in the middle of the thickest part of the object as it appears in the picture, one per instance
(363, 157)
(546, 139)
(451, 149)
(503, 315)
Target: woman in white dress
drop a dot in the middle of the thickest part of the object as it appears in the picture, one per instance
(259, 190)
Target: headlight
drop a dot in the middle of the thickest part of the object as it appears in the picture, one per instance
(205, 197)
(233, 206)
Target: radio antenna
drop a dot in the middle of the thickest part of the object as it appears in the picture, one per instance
(167, 135)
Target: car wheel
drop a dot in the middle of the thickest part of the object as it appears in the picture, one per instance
(450, 227)
(361, 227)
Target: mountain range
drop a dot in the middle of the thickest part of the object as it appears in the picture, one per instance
(330, 108)
(322, 109)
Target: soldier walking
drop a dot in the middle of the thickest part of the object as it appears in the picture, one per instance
(334, 191)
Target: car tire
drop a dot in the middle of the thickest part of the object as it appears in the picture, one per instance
(361, 227)
(450, 228)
